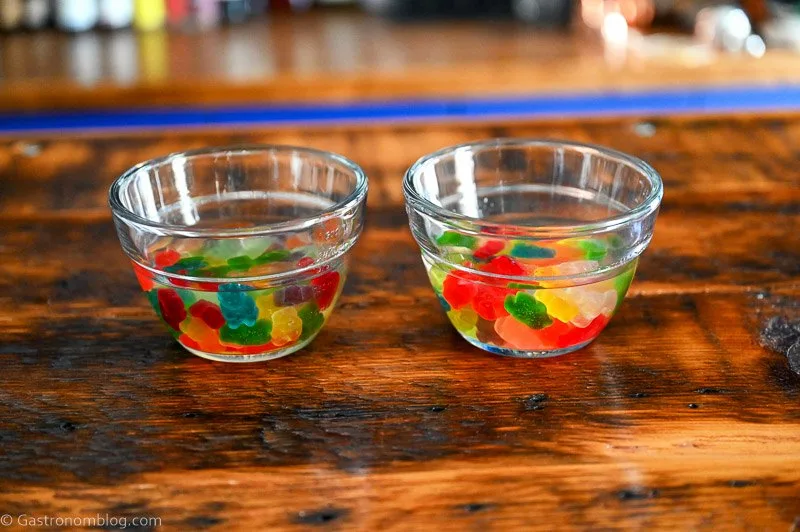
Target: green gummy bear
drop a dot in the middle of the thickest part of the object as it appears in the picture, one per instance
(312, 320)
(525, 309)
(275, 255)
(451, 238)
(622, 282)
(187, 296)
(593, 249)
(215, 272)
(242, 262)
(529, 251)
(523, 286)
(188, 263)
(259, 334)
(152, 297)
(615, 241)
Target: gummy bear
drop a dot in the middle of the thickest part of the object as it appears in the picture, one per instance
(257, 334)
(525, 309)
(580, 335)
(325, 287)
(166, 257)
(529, 251)
(187, 265)
(293, 295)
(143, 276)
(286, 326)
(266, 305)
(504, 265)
(451, 238)
(463, 320)
(275, 255)
(593, 249)
(238, 307)
(171, 306)
(240, 263)
(489, 301)
(558, 303)
(519, 335)
(457, 290)
(489, 249)
(312, 320)
(437, 274)
(203, 337)
(485, 332)
(209, 313)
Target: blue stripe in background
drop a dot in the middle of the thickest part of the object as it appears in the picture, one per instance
(706, 100)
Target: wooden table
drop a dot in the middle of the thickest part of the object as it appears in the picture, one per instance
(676, 418)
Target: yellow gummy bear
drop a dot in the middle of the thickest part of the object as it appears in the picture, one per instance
(463, 320)
(558, 304)
(286, 326)
(205, 336)
(266, 306)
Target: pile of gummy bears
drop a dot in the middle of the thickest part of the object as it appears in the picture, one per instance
(227, 317)
(471, 280)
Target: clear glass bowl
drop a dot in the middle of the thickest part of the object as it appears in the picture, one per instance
(241, 250)
(531, 245)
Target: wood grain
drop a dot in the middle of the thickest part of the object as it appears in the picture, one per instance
(341, 57)
(676, 417)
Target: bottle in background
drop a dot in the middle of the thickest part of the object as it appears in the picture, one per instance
(259, 7)
(235, 11)
(149, 15)
(11, 12)
(76, 15)
(116, 14)
(206, 13)
(37, 14)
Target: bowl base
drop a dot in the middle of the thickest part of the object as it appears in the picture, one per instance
(258, 357)
(519, 353)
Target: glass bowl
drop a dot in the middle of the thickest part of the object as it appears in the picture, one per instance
(531, 245)
(241, 250)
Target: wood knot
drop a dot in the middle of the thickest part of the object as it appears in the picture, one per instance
(320, 517)
(783, 336)
(636, 494)
(535, 402)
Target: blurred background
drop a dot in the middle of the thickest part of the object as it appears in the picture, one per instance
(62, 55)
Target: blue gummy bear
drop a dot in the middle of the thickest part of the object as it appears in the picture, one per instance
(529, 251)
(445, 304)
(237, 306)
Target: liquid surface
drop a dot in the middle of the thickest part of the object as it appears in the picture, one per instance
(533, 205)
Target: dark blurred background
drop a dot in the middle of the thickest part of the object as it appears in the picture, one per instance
(78, 54)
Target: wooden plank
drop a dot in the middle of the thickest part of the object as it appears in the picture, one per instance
(675, 417)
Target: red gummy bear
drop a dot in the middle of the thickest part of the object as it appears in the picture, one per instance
(171, 306)
(144, 277)
(325, 287)
(209, 313)
(489, 302)
(490, 248)
(504, 265)
(458, 290)
(580, 335)
(166, 258)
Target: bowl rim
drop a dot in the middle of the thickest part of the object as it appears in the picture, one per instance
(463, 223)
(337, 210)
